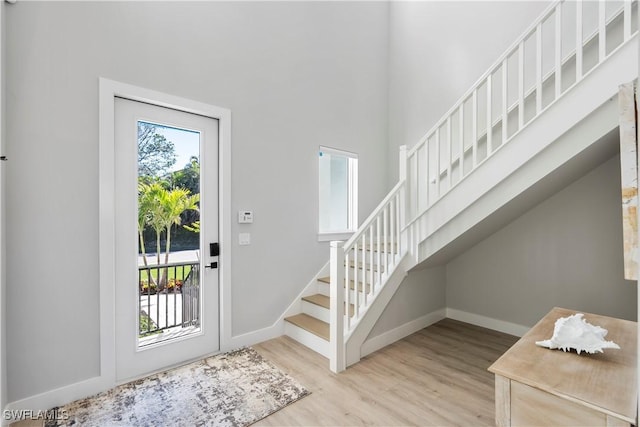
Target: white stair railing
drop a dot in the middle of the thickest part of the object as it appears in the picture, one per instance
(541, 66)
(561, 48)
(360, 266)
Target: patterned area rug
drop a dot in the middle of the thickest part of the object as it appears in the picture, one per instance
(231, 389)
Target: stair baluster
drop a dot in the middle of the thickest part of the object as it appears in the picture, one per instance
(486, 118)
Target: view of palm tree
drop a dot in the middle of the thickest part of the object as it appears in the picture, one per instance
(168, 197)
(160, 209)
(168, 224)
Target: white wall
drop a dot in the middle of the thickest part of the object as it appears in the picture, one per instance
(295, 75)
(438, 50)
(566, 252)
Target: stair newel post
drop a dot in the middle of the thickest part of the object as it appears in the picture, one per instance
(402, 216)
(336, 315)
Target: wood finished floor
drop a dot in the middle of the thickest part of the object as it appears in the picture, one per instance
(435, 377)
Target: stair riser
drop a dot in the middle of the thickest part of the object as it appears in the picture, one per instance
(314, 310)
(367, 282)
(317, 311)
(360, 279)
(323, 287)
(375, 249)
(308, 339)
(324, 290)
(367, 276)
(367, 270)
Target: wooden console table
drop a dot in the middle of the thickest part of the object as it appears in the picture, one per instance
(536, 386)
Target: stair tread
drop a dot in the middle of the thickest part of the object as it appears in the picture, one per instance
(318, 299)
(310, 324)
(324, 301)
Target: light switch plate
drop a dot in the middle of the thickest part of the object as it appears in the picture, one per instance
(244, 239)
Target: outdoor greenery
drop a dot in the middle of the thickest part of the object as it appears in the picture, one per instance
(165, 198)
(194, 227)
(172, 285)
(161, 208)
(179, 272)
(147, 325)
(155, 153)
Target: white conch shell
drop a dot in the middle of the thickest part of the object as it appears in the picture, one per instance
(574, 332)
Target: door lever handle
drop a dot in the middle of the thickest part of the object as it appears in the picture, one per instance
(212, 265)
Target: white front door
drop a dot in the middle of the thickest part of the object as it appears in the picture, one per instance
(166, 217)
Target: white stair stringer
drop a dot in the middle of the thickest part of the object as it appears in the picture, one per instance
(311, 288)
(313, 341)
(360, 332)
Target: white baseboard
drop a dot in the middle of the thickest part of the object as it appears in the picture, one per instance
(250, 338)
(57, 397)
(69, 393)
(91, 386)
(277, 329)
(487, 322)
(389, 337)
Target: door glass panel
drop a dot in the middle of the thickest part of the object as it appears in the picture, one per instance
(168, 233)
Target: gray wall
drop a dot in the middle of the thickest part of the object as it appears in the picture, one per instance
(3, 311)
(422, 292)
(427, 75)
(566, 252)
(295, 76)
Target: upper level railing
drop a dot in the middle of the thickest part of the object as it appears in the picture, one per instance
(554, 54)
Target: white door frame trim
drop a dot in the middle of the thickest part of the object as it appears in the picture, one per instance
(109, 90)
(106, 379)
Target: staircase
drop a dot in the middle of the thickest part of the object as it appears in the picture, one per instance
(543, 105)
(363, 270)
